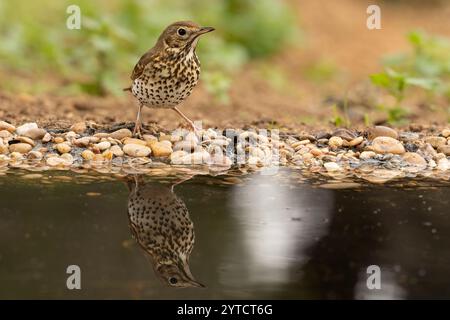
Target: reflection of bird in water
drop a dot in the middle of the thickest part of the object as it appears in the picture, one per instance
(160, 223)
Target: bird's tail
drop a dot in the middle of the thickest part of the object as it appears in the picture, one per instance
(127, 89)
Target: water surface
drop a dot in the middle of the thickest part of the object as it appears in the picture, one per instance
(258, 236)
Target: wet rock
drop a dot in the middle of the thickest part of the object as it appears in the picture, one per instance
(121, 134)
(7, 126)
(136, 150)
(161, 149)
(387, 145)
(56, 161)
(335, 142)
(78, 127)
(63, 147)
(414, 159)
(381, 131)
(35, 133)
(20, 147)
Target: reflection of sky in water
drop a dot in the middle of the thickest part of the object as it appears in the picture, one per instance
(278, 224)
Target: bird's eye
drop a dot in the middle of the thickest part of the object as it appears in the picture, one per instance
(181, 31)
(173, 280)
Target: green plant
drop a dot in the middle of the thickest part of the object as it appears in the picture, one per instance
(115, 33)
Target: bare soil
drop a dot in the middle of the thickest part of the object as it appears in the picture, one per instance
(335, 30)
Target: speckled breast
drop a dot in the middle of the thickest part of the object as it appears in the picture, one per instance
(167, 83)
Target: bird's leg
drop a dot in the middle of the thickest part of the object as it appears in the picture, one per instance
(138, 125)
(191, 123)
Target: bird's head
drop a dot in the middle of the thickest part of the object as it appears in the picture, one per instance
(182, 35)
(177, 274)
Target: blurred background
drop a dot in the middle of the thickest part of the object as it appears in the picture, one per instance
(272, 63)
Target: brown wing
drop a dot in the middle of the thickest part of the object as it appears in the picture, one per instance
(148, 57)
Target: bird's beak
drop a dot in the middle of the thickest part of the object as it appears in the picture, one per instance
(203, 30)
(196, 284)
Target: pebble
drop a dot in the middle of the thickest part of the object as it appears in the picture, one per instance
(87, 155)
(161, 149)
(102, 146)
(82, 142)
(35, 133)
(20, 147)
(445, 149)
(78, 127)
(332, 166)
(355, 142)
(435, 141)
(58, 140)
(136, 150)
(63, 147)
(134, 141)
(35, 155)
(26, 140)
(344, 134)
(5, 134)
(387, 145)
(47, 138)
(414, 159)
(4, 149)
(107, 155)
(23, 129)
(365, 155)
(117, 151)
(335, 142)
(443, 164)
(381, 131)
(55, 161)
(121, 134)
(7, 126)
(446, 133)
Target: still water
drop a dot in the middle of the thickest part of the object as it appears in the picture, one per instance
(190, 237)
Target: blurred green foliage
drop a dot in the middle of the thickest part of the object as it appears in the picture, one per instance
(426, 67)
(115, 33)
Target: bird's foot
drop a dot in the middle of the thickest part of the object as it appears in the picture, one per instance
(137, 131)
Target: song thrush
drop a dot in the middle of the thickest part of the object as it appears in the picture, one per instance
(166, 74)
(160, 223)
